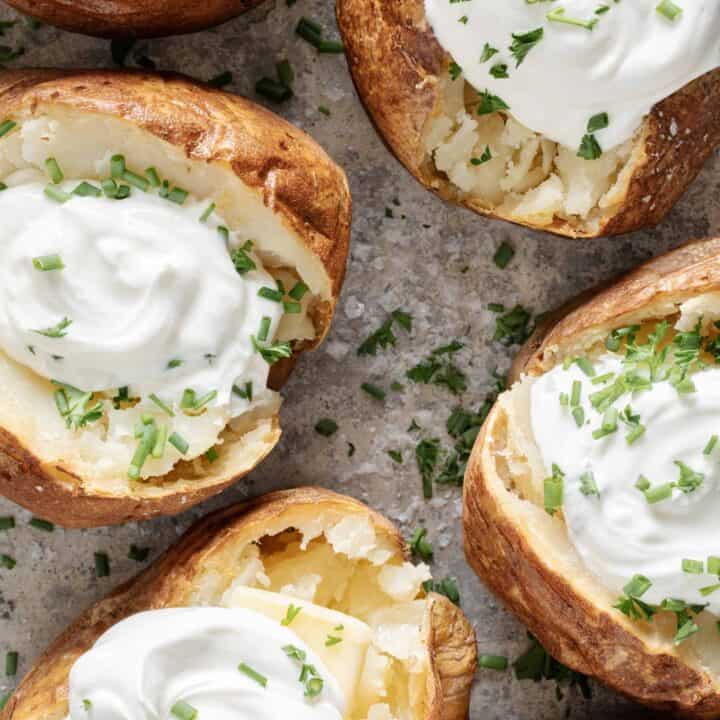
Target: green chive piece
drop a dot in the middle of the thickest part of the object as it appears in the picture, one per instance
(144, 448)
(503, 255)
(40, 524)
(326, 427)
(138, 554)
(292, 612)
(159, 448)
(373, 390)
(586, 366)
(211, 455)
(245, 393)
(711, 444)
(136, 180)
(6, 126)
(102, 565)
(637, 586)
(177, 195)
(163, 406)
(270, 294)
(578, 414)
(7, 562)
(53, 170)
(708, 589)
(253, 674)
(56, 194)
(609, 424)
(713, 565)
(46, 263)
(564, 400)
(332, 640)
(4, 700)
(264, 329)
(493, 662)
(153, 178)
(588, 486)
(87, 705)
(575, 394)
(179, 443)
(184, 711)
(598, 122)
(642, 483)
(553, 490)
(695, 567)
(7, 523)
(11, 663)
(86, 189)
(669, 10)
(657, 494)
(298, 290)
(117, 166)
(292, 308)
(209, 210)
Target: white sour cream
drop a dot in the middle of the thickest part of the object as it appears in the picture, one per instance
(145, 285)
(619, 534)
(633, 58)
(141, 667)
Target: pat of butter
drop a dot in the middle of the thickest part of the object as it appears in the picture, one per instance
(314, 624)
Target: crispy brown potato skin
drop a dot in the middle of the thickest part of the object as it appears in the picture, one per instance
(572, 628)
(133, 18)
(168, 582)
(396, 62)
(291, 174)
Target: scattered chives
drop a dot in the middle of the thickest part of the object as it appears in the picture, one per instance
(102, 565)
(493, 662)
(54, 172)
(40, 524)
(48, 262)
(253, 674)
(11, 663)
(184, 711)
(179, 443)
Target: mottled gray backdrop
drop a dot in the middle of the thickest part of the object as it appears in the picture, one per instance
(430, 258)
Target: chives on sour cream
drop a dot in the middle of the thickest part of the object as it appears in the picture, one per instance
(572, 60)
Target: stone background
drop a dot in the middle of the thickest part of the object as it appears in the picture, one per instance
(432, 259)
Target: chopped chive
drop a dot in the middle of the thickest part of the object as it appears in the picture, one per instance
(53, 170)
(298, 290)
(637, 586)
(6, 126)
(40, 524)
(711, 444)
(138, 554)
(165, 408)
(578, 414)
(117, 166)
(713, 565)
(136, 180)
(220, 80)
(211, 455)
(102, 565)
(586, 366)
(159, 447)
(245, 393)
(373, 390)
(332, 640)
(177, 195)
(694, 567)
(564, 400)
(7, 562)
(657, 494)
(598, 380)
(179, 443)
(503, 255)
(205, 399)
(264, 329)
(669, 10)
(4, 699)
(7, 523)
(87, 705)
(292, 612)
(270, 294)
(708, 589)
(575, 394)
(326, 427)
(153, 178)
(598, 122)
(144, 448)
(493, 662)
(558, 15)
(588, 486)
(295, 652)
(47, 263)
(292, 308)
(184, 711)
(253, 674)
(56, 194)
(209, 210)
(609, 424)
(175, 362)
(11, 663)
(86, 189)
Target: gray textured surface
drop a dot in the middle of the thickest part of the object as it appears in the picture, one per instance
(413, 260)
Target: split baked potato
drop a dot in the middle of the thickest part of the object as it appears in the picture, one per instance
(270, 181)
(314, 546)
(133, 18)
(403, 78)
(523, 550)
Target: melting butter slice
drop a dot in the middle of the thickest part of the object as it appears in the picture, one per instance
(314, 624)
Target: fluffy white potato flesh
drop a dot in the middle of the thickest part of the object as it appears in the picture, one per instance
(526, 176)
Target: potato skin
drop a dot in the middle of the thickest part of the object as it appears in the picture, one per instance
(290, 173)
(133, 18)
(168, 582)
(593, 640)
(396, 63)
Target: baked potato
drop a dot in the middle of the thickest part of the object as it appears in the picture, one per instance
(265, 189)
(577, 557)
(133, 18)
(315, 548)
(424, 109)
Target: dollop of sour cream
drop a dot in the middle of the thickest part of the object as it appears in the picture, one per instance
(631, 59)
(148, 294)
(617, 532)
(143, 666)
